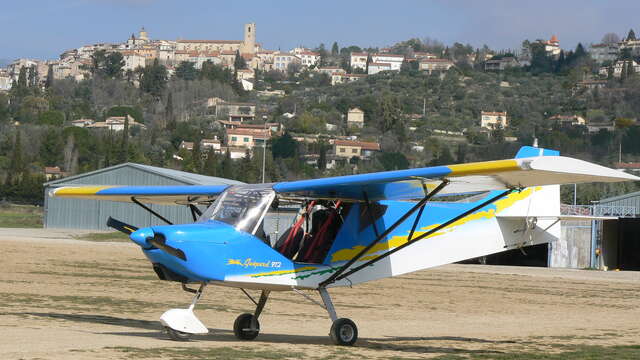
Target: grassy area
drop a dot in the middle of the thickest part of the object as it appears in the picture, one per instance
(219, 353)
(579, 352)
(20, 216)
(100, 237)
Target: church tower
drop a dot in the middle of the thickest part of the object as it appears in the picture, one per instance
(143, 35)
(249, 42)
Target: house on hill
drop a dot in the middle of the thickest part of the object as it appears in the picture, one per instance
(350, 148)
(493, 119)
(355, 118)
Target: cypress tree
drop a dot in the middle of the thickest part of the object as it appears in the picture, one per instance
(49, 81)
(170, 119)
(16, 163)
(124, 143)
(227, 166)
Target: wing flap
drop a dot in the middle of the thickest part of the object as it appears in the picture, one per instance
(164, 195)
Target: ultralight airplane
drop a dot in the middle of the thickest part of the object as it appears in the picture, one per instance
(348, 230)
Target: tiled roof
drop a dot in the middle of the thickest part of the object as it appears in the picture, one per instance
(252, 132)
(494, 113)
(362, 144)
(211, 41)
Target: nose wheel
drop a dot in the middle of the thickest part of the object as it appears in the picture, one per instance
(246, 327)
(177, 335)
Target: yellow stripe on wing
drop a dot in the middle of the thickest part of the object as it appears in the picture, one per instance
(484, 168)
(79, 191)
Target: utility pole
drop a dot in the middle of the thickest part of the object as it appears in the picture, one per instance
(620, 152)
(264, 149)
(424, 106)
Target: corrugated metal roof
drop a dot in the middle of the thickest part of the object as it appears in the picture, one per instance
(620, 197)
(182, 176)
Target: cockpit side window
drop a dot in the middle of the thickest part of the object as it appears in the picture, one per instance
(243, 207)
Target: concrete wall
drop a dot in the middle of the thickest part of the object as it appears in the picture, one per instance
(573, 249)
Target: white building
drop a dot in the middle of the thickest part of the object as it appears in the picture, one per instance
(604, 52)
(618, 67)
(358, 60)
(331, 70)
(395, 61)
(431, 65)
(132, 60)
(281, 61)
(493, 119)
(307, 57)
(375, 67)
(5, 81)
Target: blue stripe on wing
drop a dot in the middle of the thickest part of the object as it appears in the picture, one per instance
(396, 184)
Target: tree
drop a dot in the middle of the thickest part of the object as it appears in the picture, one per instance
(389, 110)
(169, 116)
(227, 165)
(154, 79)
(97, 62)
(239, 63)
(393, 161)
(113, 64)
(134, 112)
(610, 38)
(631, 36)
(186, 70)
(51, 148)
(210, 167)
(335, 49)
(123, 150)
(284, 146)
(4, 108)
(16, 162)
(33, 78)
(51, 117)
(49, 81)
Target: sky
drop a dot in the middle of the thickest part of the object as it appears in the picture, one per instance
(43, 29)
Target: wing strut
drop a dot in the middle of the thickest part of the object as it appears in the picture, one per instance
(426, 234)
(133, 198)
(195, 212)
(336, 275)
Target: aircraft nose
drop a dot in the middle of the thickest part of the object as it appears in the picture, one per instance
(140, 237)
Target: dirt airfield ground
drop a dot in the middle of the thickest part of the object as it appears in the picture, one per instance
(62, 298)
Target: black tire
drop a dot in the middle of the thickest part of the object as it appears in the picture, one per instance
(344, 332)
(177, 335)
(242, 327)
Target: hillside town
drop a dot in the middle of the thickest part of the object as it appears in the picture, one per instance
(293, 103)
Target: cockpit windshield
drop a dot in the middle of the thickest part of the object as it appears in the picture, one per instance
(243, 207)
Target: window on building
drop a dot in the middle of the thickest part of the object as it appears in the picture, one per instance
(342, 150)
(233, 138)
(354, 151)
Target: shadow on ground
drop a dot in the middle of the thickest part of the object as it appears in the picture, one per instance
(418, 345)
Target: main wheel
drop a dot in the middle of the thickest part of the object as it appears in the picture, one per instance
(177, 335)
(344, 332)
(242, 327)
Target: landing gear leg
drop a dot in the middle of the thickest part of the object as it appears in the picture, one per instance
(247, 326)
(180, 324)
(343, 331)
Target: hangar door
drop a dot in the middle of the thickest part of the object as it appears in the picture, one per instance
(629, 244)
